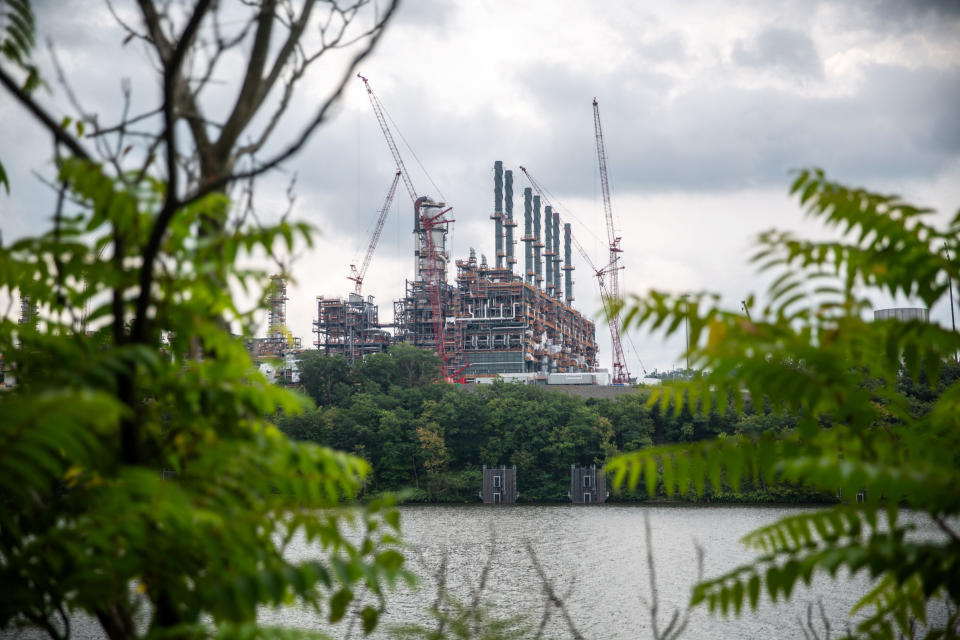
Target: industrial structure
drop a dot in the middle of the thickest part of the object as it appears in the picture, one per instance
(587, 485)
(499, 485)
(275, 355)
(485, 319)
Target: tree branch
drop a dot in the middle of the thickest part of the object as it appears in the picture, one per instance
(38, 112)
(946, 529)
(219, 182)
(171, 69)
(247, 101)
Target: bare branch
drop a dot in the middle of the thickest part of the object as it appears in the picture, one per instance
(219, 182)
(551, 594)
(124, 123)
(248, 99)
(40, 114)
(942, 524)
(131, 32)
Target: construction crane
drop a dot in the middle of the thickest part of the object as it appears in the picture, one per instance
(422, 225)
(378, 112)
(601, 274)
(432, 261)
(357, 274)
(612, 271)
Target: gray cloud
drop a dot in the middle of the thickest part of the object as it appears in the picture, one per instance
(909, 15)
(781, 50)
(900, 123)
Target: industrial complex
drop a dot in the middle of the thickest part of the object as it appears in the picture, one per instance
(483, 318)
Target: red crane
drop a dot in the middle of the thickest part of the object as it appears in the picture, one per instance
(612, 271)
(432, 258)
(355, 274)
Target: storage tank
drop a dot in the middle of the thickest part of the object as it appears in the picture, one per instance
(903, 314)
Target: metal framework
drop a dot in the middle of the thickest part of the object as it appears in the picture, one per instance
(621, 375)
(601, 274)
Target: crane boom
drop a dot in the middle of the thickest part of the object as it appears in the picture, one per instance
(378, 112)
(358, 275)
(620, 373)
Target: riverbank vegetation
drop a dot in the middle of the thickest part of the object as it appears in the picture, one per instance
(432, 439)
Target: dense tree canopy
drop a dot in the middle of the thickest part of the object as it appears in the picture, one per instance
(433, 438)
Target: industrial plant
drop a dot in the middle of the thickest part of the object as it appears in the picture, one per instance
(485, 318)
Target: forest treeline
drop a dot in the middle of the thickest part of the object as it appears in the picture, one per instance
(432, 439)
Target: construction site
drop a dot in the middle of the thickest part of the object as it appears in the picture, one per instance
(483, 319)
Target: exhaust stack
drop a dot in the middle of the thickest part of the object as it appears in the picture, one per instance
(537, 243)
(556, 254)
(497, 214)
(508, 221)
(548, 252)
(567, 266)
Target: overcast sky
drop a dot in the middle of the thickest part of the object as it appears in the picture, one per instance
(706, 108)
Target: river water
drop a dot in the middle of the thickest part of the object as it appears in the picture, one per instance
(596, 558)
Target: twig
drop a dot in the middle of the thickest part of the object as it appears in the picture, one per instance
(40, 114)
(552, 597)
(946, 528)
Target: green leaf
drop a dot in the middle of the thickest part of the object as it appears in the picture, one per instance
(339, 603)
(370, 616)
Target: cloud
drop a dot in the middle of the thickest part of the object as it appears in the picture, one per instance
(780, 50)
(705, 108)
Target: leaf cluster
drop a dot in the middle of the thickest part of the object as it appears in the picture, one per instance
(141, 479)
(811, 352)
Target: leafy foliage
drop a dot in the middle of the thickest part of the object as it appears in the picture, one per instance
(141, 475)
(433, 437)
(812, 354)
(18, 28)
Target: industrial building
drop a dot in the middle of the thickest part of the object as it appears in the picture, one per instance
(499, 485)
(587, 485)
(276, 354)
(486, 318)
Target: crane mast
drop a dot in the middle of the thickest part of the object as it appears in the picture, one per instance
(358, 275)
(424, 226)
(378, 112)
(620, 373)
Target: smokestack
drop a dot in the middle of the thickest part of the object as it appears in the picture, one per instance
(537, 242)
(508, 222)
(567, 267)
(528, 236)
(548, 222)
(497, 214)
(556, 254)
